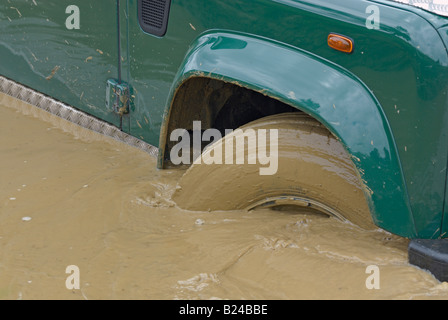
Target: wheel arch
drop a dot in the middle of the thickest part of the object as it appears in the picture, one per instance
(327, 92)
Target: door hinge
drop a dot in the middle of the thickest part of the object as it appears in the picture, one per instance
(119, 97)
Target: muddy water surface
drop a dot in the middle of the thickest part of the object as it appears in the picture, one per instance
(72, 197)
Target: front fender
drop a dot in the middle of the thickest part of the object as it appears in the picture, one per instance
(327, 92)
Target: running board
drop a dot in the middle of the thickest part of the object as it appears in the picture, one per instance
(71, 114)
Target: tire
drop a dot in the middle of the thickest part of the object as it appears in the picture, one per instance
(314, 170)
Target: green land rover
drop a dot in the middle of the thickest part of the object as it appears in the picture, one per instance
(357, 90)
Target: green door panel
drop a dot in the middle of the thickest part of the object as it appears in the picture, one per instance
(444, 34)
(39, 51)
(346, 107)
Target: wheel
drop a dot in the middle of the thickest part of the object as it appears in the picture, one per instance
(314, 171)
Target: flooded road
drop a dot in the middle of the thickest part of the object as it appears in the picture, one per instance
(72, 197)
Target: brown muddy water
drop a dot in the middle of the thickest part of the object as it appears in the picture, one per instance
(72, 197)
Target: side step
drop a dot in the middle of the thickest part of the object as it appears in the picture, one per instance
(430, 255)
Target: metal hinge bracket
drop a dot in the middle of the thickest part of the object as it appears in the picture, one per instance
(119, 97)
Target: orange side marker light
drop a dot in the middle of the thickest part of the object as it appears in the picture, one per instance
(340, 43)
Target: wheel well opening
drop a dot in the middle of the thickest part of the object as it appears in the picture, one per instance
(217, 104)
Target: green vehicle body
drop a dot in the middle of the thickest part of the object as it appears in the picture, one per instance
(386, 101)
